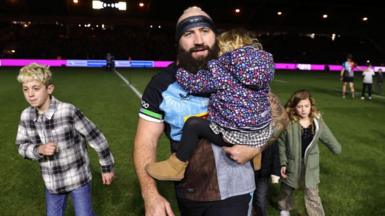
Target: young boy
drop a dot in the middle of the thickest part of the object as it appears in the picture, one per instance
(55, 134)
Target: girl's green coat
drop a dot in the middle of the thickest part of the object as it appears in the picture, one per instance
(290, 150)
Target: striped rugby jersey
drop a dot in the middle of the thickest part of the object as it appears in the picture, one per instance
(211, 175)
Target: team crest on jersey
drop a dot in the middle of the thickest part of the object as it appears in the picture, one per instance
(144, 104)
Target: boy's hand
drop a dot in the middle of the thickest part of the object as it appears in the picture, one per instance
(47, 149)
(107, 177)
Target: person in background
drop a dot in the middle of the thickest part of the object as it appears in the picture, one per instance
(347, 76)
(110, 62)
(379, 81)
(367, 81)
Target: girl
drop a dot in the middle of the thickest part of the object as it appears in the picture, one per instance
(239, 109)
(299, 153)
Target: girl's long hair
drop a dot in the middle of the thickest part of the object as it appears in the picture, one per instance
(299, 95)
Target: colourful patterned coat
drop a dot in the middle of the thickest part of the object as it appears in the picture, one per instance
(239, 84)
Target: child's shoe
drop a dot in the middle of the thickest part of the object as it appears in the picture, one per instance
(274, 179)
(171, 169)
(284, 213)
(257, 162)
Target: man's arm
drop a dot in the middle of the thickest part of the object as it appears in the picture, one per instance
(146, 141)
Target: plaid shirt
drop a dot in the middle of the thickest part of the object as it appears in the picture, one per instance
(65, 125)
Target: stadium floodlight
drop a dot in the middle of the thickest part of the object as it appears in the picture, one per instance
(121, 6)
(333, 36)
(311, 35)
(97, 5)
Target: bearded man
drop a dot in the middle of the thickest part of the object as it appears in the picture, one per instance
(219, 181)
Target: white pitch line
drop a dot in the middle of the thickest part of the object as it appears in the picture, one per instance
(378, 96)
(128, 84)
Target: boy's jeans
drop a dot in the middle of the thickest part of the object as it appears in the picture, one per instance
(81, 199)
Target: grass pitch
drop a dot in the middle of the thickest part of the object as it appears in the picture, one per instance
(351, 183)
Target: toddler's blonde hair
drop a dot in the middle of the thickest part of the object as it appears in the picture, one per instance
(36, 72)
(237, 38)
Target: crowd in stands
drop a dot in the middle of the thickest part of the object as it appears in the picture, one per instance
(74, 42)
(79, 41)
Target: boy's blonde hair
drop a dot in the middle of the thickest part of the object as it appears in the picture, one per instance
(36, 72)
(237, 38)
(299, 95)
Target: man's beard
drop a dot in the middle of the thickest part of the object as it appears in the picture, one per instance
(193, 65)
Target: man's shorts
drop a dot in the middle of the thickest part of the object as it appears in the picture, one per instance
(348, 79)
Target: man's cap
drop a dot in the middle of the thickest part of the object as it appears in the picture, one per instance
(193, 17)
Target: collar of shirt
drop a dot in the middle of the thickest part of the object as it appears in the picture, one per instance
(51, 110)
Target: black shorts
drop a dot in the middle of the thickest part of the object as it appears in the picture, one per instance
(348, 79)
(237, 205)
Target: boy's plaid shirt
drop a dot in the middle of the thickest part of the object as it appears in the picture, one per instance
(65, 125)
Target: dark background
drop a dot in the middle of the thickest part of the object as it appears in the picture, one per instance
(56, 28)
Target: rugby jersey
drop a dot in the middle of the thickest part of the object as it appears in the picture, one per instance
(211, 175)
